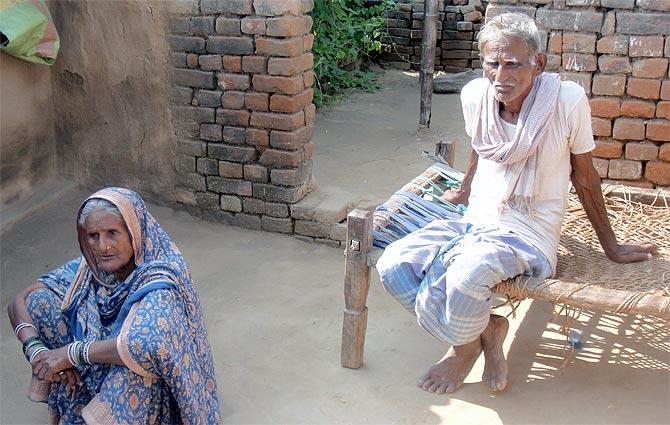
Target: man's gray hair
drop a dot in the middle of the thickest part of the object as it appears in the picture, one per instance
(97, 204)
(512, 25)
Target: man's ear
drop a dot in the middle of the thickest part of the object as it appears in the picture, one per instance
(540, 62)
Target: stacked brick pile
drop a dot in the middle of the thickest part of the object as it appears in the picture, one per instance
(618, 51)
(458, 24)
(243, 109)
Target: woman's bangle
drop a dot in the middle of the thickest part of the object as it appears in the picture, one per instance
(85, 351)
(22, 326)
(36, 352)
(30, 343)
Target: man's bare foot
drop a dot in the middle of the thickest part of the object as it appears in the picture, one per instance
(448, 375)
(495, 365)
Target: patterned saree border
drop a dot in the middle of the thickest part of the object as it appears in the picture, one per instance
(97, 413)
(122, 346)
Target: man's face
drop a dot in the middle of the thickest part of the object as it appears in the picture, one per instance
(510, 68)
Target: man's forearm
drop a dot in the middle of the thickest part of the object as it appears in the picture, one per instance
(463, 192)
(587, 185)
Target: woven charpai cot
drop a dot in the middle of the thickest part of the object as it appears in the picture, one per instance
(585, 276)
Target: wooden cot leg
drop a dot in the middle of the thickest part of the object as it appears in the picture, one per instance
(356, 286)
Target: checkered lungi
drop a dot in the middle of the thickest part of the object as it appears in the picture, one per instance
(444, 272)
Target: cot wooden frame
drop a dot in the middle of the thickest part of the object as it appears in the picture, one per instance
(361, 256)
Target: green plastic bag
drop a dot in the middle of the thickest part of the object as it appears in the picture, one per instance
(27, 31)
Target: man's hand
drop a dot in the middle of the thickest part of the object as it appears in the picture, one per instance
(632, 253)
(455, 196)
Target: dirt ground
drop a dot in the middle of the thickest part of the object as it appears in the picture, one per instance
(273, 307)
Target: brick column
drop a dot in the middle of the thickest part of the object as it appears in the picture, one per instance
(243, 109)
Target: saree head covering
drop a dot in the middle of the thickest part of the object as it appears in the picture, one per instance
(154, 315)
(518, 155)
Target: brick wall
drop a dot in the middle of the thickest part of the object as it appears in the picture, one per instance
(458, 24)
(242, 109)
(618, 51)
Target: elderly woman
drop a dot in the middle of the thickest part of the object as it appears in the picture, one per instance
(117, 335)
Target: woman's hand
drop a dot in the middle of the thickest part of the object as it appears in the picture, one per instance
(48, 364)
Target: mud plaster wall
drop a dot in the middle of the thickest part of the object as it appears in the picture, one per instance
(27, 142)
(112, 121)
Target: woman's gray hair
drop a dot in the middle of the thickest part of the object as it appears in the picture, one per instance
(98, 204)
(512, 25)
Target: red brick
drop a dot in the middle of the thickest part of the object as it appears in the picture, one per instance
(285, 122)
(230, 169)
(601, 127)
(631, 183)
(310, 113)
(613, 44)
(255, 173)
(658, 172)
(308, 79)
(637, 109)
(291, 140)
(192, 60)
(580, 43)
(606, 107)
(658, 130)
(290, 66)
(601, 166)
(210, 62)
(289, 26)
(232, 100)
(232, 63)
(555, 42)
(611, 85)
(278, 7)
(645, 45)
(624, 169)
(665, 90)
(292, 177)
(608, 149)
(210, 132)
(256, 101)
(287, 47)
(253, 25)
(234, 135)
(581, 78)
(232, 117)
(281, 159)
(254, 64)
(579, 62)
(553, 63)
(645, 151)
(230, 45)
(258, 137)
(663, 109)
(308, 150)
(234, 81)
(661, 5)
(274, 84)
(308, 42)
(643, 88)
(228, 26)
(284, 103)
(614, 64)
(650, 68)
(628, 129)
(664, 152)
(233, 7)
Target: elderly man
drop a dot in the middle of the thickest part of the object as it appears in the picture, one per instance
(531, 134)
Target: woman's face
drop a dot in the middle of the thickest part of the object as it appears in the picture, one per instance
(110, 242)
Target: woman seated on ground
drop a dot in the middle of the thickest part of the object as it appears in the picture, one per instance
(117, 335)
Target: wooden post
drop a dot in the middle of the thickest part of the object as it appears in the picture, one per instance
(356, 286)
(446, 151)
(427, 60)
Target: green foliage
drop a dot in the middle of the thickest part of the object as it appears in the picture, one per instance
(346, 32)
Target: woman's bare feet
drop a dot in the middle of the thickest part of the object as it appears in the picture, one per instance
(495, 364)
(448, 375)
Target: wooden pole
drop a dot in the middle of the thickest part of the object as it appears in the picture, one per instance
(427, 60)
(356, 286)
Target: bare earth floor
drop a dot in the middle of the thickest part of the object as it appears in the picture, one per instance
(273, 307)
